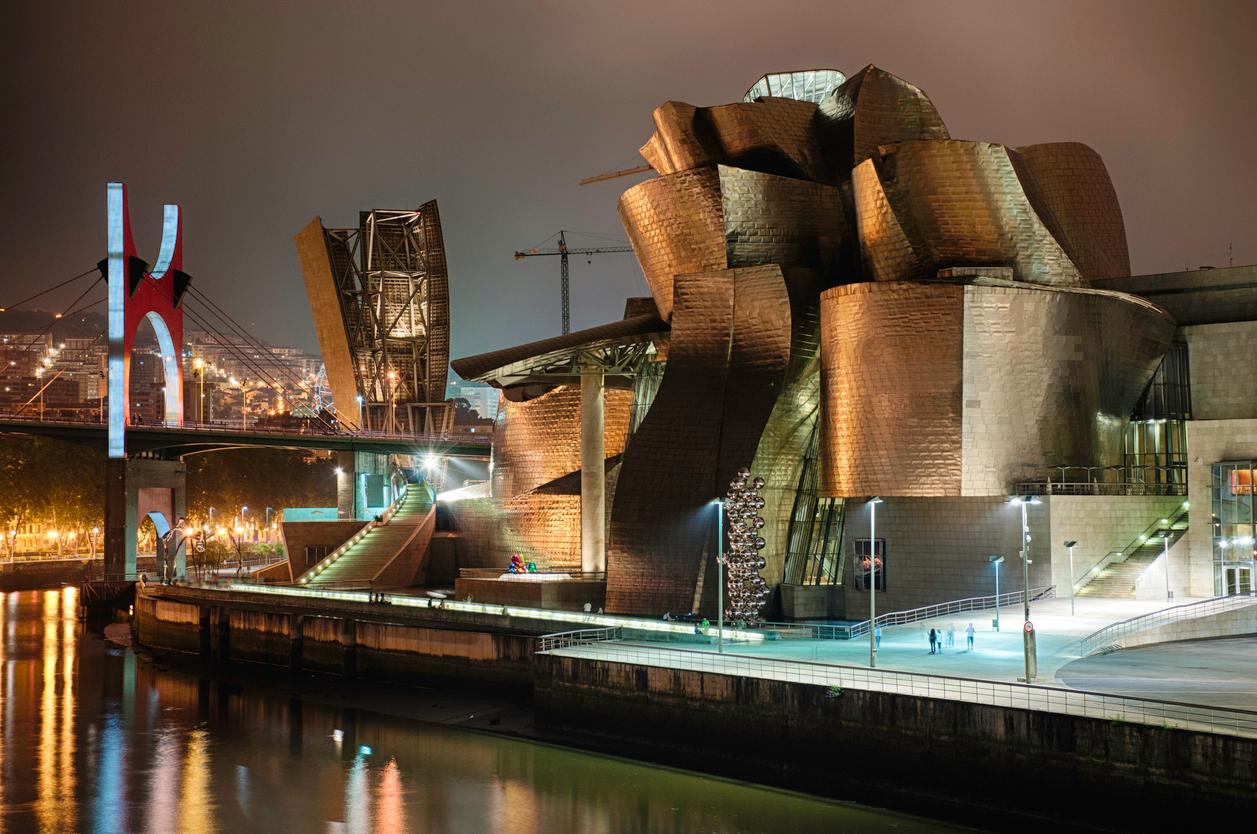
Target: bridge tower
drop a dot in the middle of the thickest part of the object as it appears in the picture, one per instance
(137, 487)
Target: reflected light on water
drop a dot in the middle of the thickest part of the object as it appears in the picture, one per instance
(196, 808)
(390, 811)
(98, 740)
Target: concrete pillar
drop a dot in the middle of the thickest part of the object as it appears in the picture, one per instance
(593, 474)
(346, 486)
(133, 488)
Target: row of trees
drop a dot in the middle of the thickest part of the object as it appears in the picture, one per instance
(62, 485)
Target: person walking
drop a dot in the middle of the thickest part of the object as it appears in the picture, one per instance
(951, 635)
(969, 636)
(933, 640)
(877, 637)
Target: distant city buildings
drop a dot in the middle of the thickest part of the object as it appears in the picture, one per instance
(61, 376)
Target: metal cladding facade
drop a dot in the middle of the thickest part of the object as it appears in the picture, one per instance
(860, 305)
(536, 473)
(976, 385)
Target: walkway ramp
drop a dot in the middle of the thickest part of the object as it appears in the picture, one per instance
(387, 553)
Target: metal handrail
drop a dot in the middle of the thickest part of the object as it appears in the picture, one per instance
(1111, 636)
(1126, 552)
(1167, 714)
(1098, 488)
(824, 631)
(310, 574)
(581, 637)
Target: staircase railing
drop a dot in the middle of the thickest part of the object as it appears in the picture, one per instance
(824, 631)
(311, 574)
(1166, 523)
(1110, 637)
(582, 637)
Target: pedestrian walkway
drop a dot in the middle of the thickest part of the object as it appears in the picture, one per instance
(995, 656)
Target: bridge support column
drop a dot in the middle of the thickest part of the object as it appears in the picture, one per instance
(362, 487)
(135, 489)
(593, 474)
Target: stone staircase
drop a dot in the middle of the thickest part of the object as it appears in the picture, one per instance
(1122, 569)
(369, 560)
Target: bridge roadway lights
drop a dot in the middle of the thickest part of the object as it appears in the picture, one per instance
(135, 488)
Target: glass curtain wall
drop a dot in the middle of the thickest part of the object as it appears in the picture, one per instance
(1234, 529)
(1156, 439)
(814, 542)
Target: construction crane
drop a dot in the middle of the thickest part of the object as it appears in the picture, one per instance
(563, 251)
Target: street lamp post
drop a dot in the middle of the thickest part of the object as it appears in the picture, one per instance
(1165, 542)
(199, 364)
(720, 575)
(1072, 582)
(873, 502)
(1028, 640)
(997, 561)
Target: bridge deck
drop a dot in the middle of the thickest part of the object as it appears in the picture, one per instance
(203, 437)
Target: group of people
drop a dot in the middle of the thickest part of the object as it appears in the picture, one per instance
(940, 639)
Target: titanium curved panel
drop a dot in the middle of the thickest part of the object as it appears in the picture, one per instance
(890, 389)
(783, 443)
(675, 227)
(778, 220)
(727, 359)
(771, 135)
(1076, 189)
(976, 386)
(538, 441)
(874, 108)
(957, 204)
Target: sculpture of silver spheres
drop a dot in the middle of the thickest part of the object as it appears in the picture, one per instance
(747, 590)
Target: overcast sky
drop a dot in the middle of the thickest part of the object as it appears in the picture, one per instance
(258, 116)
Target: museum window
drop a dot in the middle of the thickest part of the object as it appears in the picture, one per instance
(1156, 440)
(1234, 530)
(814, 542)
(864, 569)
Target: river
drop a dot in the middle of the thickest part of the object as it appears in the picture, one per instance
(98, 739)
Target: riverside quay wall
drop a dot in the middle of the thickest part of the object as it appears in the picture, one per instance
(368, 640)
(905, 751)
(1033, 769)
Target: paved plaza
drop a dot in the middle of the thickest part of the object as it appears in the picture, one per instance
(999, 656)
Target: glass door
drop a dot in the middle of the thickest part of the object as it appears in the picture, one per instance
(1237, 580)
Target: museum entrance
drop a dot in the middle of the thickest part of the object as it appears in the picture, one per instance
(1237, 580)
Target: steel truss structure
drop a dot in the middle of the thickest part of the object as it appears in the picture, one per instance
(391, 281)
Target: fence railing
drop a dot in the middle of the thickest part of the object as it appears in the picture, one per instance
(582, 637)
(822, 631)
(1110, 637)
(494, 573)
(1096, 488)
(1099, 705)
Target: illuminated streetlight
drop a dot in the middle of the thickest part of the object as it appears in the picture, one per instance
(1028, 630)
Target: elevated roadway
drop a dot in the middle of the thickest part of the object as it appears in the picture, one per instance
(191, 438)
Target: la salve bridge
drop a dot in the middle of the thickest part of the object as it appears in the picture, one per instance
(146, 474)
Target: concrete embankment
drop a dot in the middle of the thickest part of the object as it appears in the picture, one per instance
(939, 757)
(1105, 773)
(351, 639)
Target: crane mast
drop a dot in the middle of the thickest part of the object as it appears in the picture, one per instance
(563, 251)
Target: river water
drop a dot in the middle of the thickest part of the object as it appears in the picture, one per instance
(96, 739)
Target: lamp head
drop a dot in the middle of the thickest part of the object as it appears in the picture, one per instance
(995, 560)
(1070, 543)
(876, 499)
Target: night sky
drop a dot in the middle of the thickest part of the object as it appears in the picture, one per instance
(256, 117)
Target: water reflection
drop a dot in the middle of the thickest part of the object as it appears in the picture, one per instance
(96, 740)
